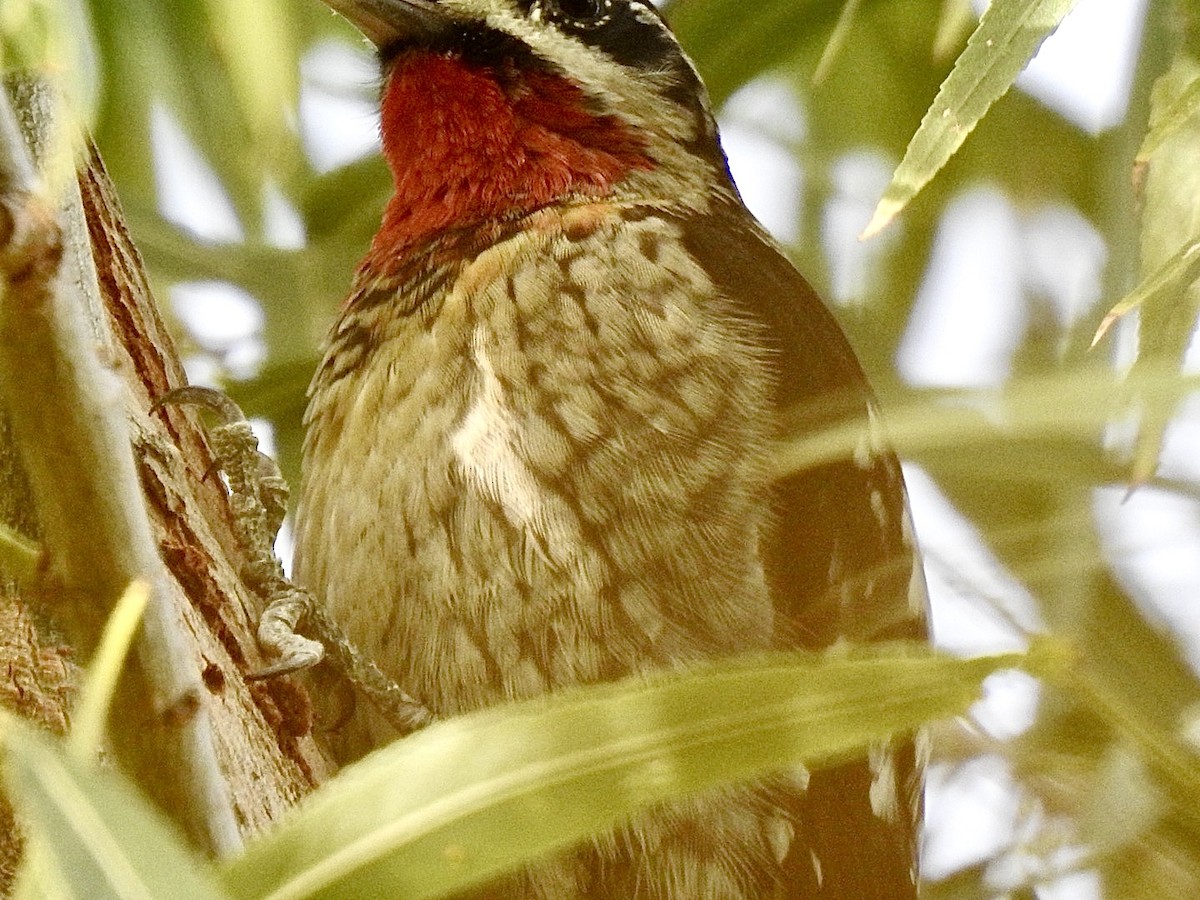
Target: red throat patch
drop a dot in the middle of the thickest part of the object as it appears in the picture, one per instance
(467, 145)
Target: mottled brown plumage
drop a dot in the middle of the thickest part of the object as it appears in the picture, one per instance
(540, 444)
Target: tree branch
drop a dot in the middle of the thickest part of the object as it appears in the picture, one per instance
(69, 424)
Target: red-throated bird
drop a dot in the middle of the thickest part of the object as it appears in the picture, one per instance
(540, 445)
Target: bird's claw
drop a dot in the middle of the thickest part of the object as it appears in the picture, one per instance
(258, 496)
(278, 636)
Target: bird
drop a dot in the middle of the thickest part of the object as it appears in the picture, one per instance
(542, 442)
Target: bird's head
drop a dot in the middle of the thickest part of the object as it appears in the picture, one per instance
(492, 109)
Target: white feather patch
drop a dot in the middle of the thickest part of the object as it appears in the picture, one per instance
(486, 445)
(885, 794)
(918, 590)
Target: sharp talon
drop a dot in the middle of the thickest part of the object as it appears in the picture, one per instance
(296, 652)
(271, 672)
(285, 667)
(258, 501)
(210, 399)
(258, 498)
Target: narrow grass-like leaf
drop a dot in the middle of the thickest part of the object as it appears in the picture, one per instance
(184, 64)
(101, 837)
(1123, 803)
(1064, 404)
(469, 798)
(95, 698)
(1008, 35)
(51, 38)
(37, 876)
(1171, 120)
(836, 40)
(954, 23)
(1173, 762)
(731, 45)
(1169, 296)
(1168, 280)
(18, 555)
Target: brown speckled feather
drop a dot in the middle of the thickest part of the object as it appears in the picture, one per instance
(541, 444)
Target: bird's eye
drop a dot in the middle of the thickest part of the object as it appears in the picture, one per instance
(580, 13)
(582, 9)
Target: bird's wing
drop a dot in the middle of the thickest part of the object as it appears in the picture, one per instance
(841, 561)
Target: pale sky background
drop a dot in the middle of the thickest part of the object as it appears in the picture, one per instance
(989, 259)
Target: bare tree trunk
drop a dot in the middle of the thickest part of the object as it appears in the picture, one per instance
(259, 733)
(262, 728)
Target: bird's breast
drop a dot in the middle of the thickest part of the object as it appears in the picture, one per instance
(557, 474)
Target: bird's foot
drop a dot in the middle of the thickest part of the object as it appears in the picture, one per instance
(258, 495)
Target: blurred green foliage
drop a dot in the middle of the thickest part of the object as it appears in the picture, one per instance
(469, 797)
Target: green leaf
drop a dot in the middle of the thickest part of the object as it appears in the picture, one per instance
(27, 35)
(1170, 120)
(1170, 250)
(52, 38)
(731, 45)
(175, 54)
(472, 797)
(836, 40)
(95, 697)
(1006, 38)
(954, 24)
(1166, 282)
(1123, 801)
(1069, 403)
(18, 554)
(95, 831)
(255, 41)
(37, 876)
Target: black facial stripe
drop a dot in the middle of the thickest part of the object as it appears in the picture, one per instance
(630, 31)
(475, 43)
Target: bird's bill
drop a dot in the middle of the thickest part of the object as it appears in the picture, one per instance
(388, 22)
